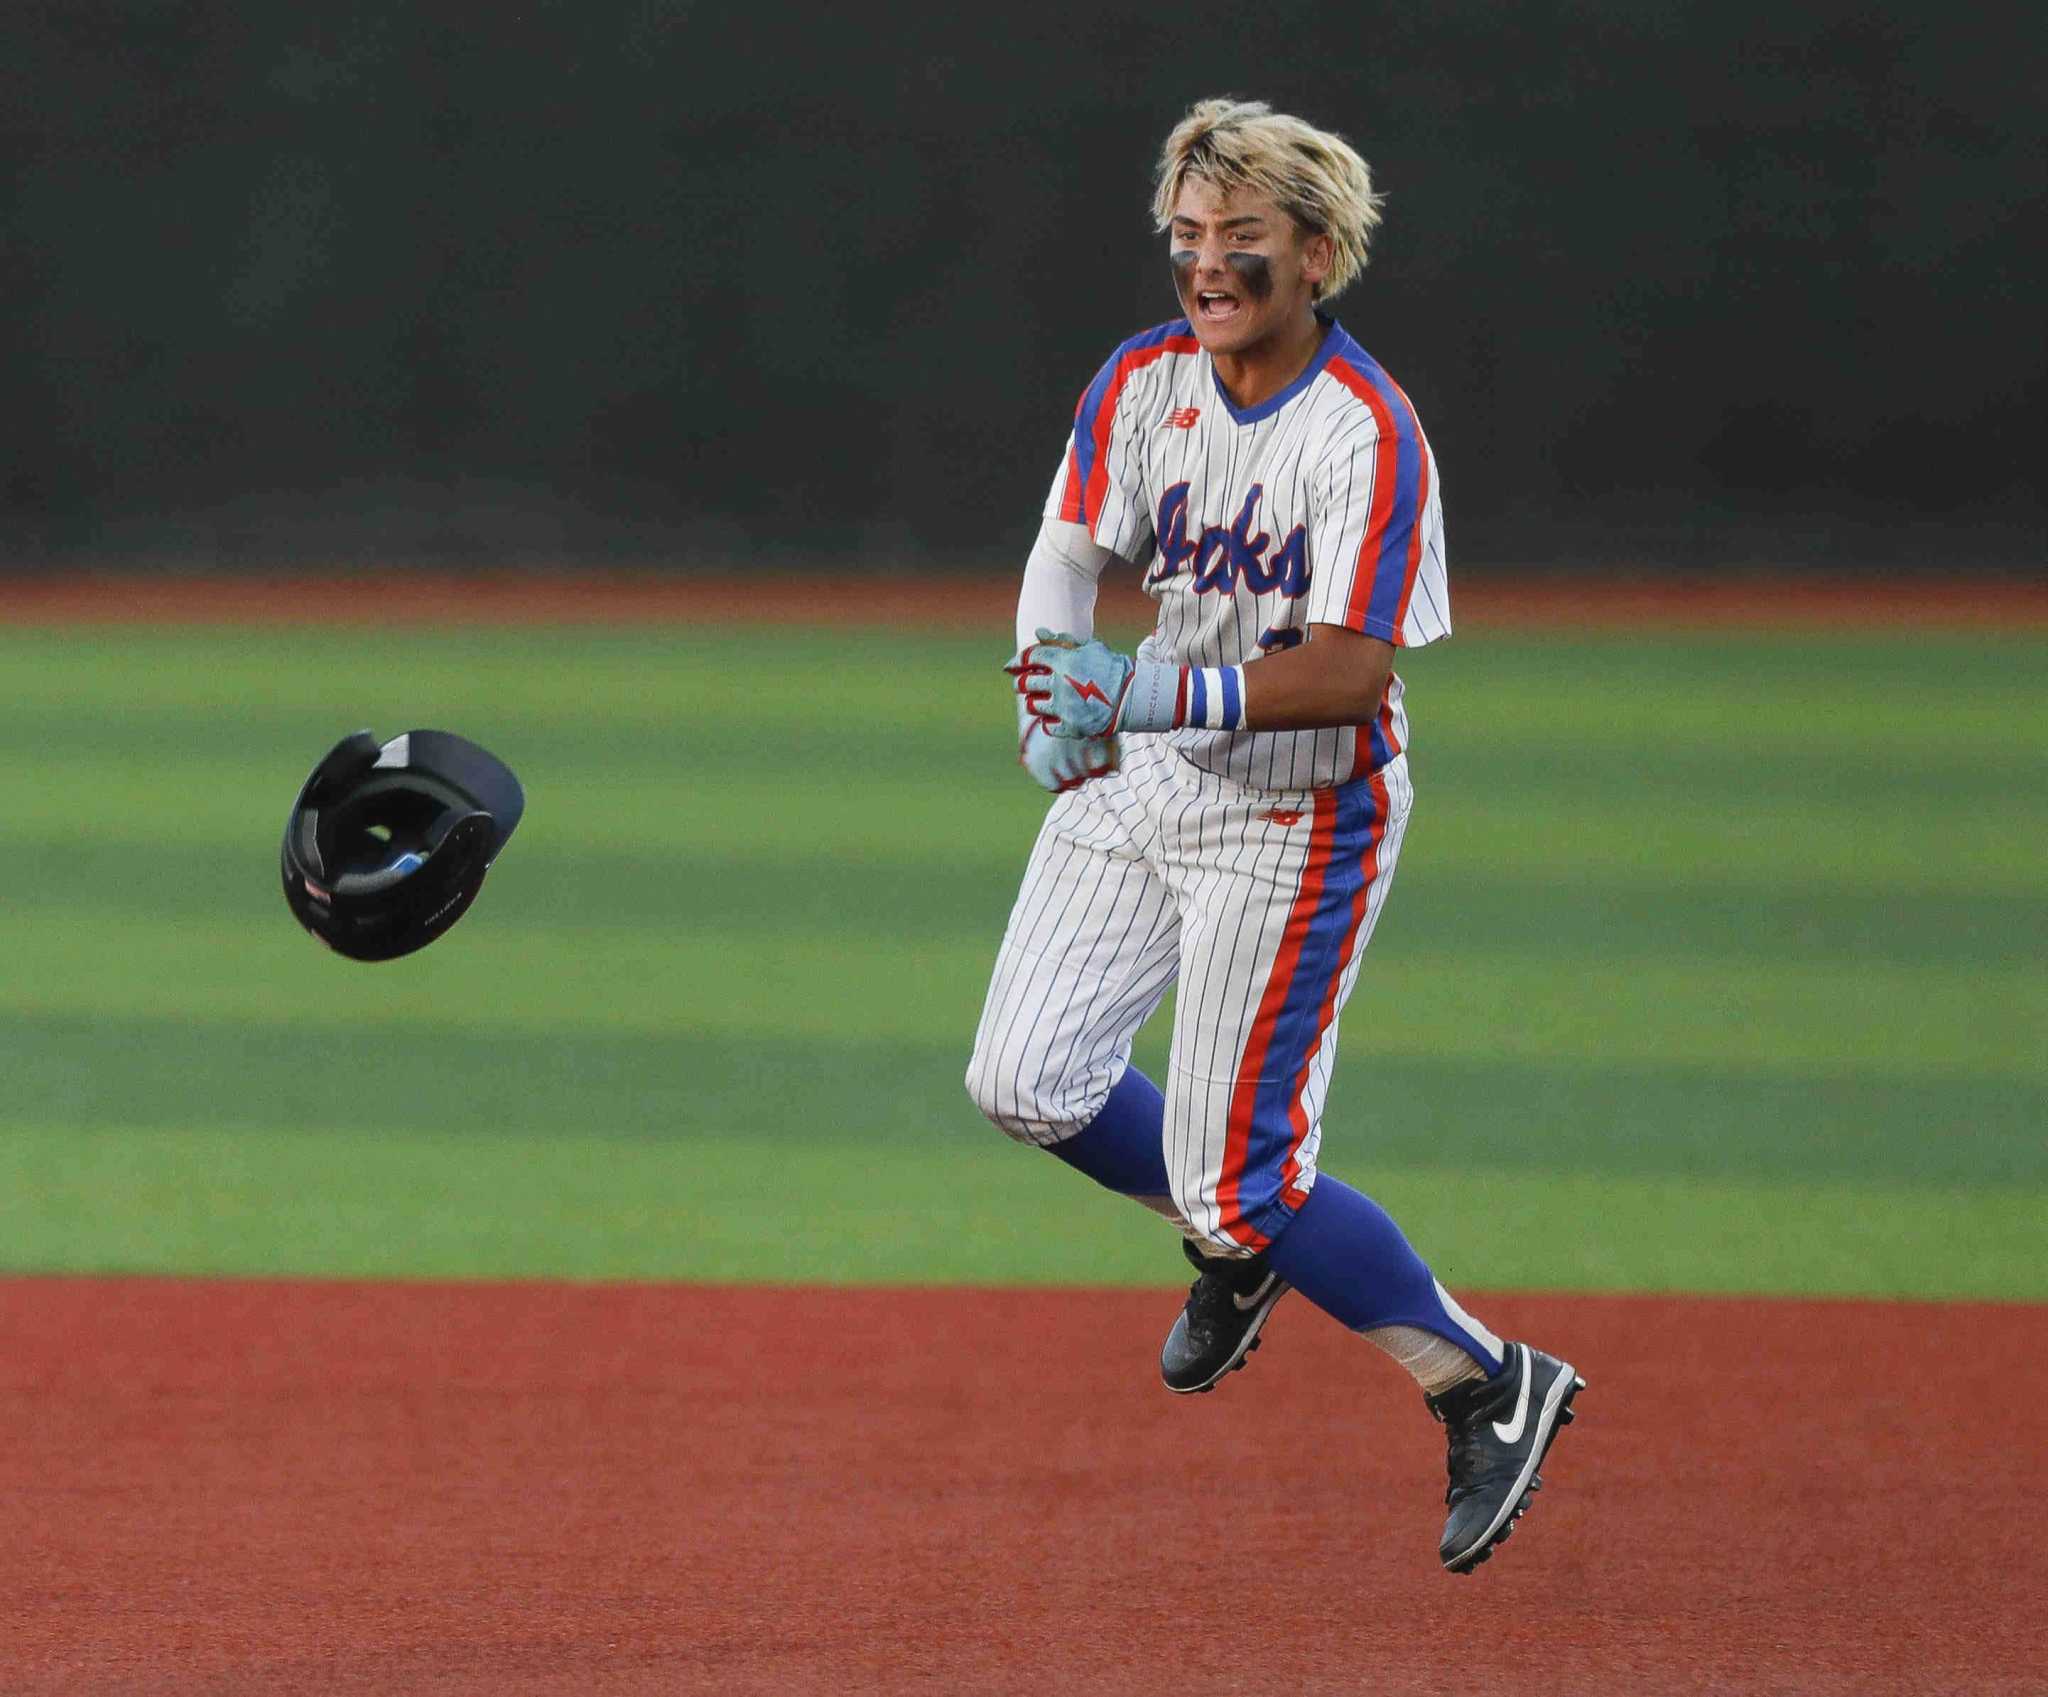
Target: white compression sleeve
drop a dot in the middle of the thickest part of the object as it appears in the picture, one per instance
(1060, 580)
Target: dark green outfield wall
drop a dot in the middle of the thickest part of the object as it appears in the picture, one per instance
(1692, 282)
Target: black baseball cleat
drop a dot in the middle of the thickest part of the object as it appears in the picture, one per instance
(1500, 1429)
(1227, 1305)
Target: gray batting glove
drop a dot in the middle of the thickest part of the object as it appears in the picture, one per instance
(1065, 763)
(1075, 687)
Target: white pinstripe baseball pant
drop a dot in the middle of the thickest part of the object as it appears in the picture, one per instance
(1260, 903)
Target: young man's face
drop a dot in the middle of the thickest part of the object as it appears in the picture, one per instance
(1244, 269)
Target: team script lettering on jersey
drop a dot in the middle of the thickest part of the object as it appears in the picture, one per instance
(1318, 506)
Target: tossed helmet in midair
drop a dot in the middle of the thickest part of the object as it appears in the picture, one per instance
(388, 843)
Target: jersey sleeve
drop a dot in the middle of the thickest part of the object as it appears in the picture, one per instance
(1376, 526)
(1100, 482)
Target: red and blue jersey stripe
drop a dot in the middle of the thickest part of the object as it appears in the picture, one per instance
(1383, 579)
(1094, 417)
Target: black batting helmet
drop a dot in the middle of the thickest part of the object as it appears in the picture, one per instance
(388, 843)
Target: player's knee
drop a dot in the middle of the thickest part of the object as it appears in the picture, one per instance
(1019, 1100)
(996, 1094)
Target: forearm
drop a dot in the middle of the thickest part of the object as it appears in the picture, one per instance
(1060, 582)
(1337, 677)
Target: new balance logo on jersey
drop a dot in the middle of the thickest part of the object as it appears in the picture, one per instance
(1223, 556)
(1282, 815)
(1181, 418)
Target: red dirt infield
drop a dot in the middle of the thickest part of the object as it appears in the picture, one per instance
(1794, 601)
(225, 1487)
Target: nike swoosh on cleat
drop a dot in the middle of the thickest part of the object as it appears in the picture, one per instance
(1245, 1304)
(1510, 1431)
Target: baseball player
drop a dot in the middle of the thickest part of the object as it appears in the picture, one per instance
(1230, 800)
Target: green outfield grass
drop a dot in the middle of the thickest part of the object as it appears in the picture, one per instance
(1712, 964)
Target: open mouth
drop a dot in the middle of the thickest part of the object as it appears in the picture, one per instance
(1213, 306)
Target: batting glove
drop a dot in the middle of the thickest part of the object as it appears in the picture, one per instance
(1084, 689)
(1060, 764)
(1074, 687)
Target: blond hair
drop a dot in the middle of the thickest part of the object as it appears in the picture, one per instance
(1315, 177)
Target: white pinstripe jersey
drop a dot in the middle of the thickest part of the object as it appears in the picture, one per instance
(1318, 506)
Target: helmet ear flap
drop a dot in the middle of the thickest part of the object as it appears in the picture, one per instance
(340, 769)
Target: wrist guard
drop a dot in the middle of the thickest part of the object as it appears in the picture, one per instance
(1167, 698)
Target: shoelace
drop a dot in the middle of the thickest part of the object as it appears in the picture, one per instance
(1463, 1452)
(1467, 1449)
(1214, 1307)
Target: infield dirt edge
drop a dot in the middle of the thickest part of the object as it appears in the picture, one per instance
(515, 598)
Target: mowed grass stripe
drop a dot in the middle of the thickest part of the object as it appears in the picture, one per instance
(376, 1204)
(1821, 1020)
(899, 1099)
(933, 814)
(1471, 913)
(1956, 699)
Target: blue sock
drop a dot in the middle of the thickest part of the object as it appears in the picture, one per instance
(1123, 1146)
(1345, 1254)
